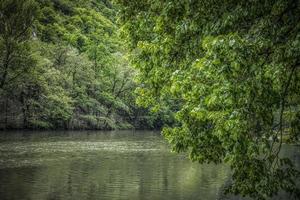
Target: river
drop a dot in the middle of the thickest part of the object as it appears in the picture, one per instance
(82, 165)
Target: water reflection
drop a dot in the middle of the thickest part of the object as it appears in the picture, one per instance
(103, 165)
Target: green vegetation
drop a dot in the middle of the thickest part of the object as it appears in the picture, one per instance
(63, 66)
(227, 72)
(233, 69)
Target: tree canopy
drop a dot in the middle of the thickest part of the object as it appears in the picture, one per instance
(63, 66)
(233, 69)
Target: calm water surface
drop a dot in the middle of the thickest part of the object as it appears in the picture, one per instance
(103, 165)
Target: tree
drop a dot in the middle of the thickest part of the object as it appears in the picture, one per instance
(16, 59)
(16, 20)
(234, 69)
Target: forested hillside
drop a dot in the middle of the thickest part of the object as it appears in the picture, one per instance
(63, 66)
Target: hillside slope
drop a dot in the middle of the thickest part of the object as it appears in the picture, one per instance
(75, 74)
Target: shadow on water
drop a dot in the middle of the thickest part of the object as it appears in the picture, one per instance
(103, 165)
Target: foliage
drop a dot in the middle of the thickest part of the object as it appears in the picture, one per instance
(233, 68)
(16, 19)
(63, 66)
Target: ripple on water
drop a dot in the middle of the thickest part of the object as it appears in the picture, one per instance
(17, 154)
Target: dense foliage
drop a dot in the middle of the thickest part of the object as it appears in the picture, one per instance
(233, 69)
(63, 66)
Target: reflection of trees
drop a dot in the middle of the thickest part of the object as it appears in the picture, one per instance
(116, 175)
(130, 175)
(16, 183)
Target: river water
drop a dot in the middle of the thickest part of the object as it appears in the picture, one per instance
(82, 165)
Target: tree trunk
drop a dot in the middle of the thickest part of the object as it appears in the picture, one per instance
(5, 64)
(6, 113)
(24, 110)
